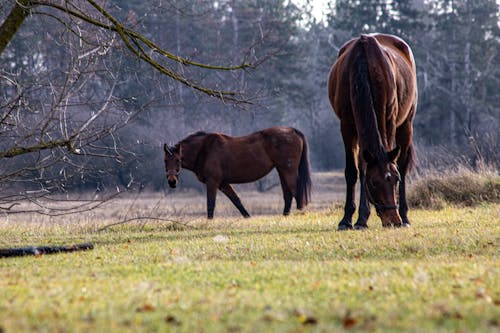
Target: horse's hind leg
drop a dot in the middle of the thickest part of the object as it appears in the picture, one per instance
(351, 177)
(288, 185)
(211, 195)
(228, 190)
(287, 197)
(364, 205)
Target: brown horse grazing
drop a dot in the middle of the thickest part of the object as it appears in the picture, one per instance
(372, 88)
(219, 160)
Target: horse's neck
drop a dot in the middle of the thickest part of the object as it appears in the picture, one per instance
(190, 151)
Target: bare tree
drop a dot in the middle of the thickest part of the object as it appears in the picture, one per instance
(56, 120)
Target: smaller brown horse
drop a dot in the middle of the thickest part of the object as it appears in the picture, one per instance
(219, 160)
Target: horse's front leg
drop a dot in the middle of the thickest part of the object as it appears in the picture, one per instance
(403, 205)
(228, 190)
(211, 195)
(406, 157)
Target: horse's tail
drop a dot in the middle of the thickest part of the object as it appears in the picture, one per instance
(366, 67)
(304, 183)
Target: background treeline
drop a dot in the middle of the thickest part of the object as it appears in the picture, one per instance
(456, 45)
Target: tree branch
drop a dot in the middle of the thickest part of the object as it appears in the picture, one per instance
(15, 151)
(39, 250)
(128, 35)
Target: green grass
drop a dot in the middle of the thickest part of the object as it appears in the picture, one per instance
(265, 274)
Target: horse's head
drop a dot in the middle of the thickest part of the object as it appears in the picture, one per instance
(382, 179)
(173, 163)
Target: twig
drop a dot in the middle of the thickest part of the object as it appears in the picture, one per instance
(184, 224)
(10, 207)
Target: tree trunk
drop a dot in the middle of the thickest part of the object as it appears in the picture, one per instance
(467, 81)
(453, 121)
(453, 89)
(234, 19)
(180, 91)
(12, 23)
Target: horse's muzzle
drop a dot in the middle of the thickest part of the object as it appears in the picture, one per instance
(172, 182)
(390, 218)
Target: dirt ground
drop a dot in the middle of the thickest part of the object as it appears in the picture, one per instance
(188, 204)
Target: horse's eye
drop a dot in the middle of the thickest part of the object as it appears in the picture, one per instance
(388, 176)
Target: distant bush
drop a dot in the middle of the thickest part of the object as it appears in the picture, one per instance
(462, 187)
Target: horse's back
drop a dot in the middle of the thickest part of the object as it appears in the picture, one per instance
(278, 146)
(391, 66)
(235, 160)
(279, 136)
(282, 140)
(391, 42)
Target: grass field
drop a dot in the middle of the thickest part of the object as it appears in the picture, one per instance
(264, 274)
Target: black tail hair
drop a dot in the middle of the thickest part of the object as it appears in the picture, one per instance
(362, 97)
(304, 183)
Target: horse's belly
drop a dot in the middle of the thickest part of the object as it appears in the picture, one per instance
(247, 175)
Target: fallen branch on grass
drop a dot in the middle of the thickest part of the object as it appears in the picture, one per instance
(39, 250)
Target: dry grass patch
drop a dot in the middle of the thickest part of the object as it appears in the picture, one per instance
(461, 187)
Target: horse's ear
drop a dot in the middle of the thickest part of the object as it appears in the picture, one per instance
(165, 148)
(394, 154)
(368, 157)
(179, 149)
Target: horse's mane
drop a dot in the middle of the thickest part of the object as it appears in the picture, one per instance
(194, 135)
(187, 139)
(191, 137)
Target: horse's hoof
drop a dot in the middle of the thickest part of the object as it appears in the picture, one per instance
(360, 226)
(343, 227)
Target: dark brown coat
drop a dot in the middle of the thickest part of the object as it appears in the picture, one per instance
(372, 88)
(219, 160)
